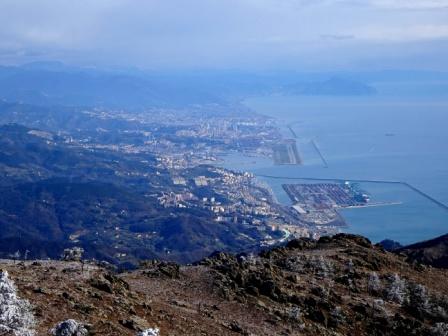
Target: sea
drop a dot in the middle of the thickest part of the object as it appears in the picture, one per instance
(390, 136)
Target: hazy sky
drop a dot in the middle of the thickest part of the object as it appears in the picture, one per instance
(251, 34)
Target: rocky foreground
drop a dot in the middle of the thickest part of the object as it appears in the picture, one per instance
(337, 286)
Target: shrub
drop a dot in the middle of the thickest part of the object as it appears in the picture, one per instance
(150, 332)
(374, 283)
(396, 289)
(15, 314)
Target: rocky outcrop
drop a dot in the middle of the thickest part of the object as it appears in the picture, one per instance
(341, 285)
(157, 268)
(109, 283)
(334, 283)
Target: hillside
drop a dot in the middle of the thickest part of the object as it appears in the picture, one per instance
(55, 195)
(336, 286)
(432, 252)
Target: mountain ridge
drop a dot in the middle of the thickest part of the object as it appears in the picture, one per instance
(341, 285)
(433, 252)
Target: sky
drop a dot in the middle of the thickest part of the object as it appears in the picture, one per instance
(228, 34)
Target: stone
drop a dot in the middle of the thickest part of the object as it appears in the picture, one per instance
(70, 328)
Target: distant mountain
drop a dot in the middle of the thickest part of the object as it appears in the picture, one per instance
(432, 252)
(334, 86)
(390, 245)
(56, 84)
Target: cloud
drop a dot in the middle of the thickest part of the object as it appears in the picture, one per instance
(216, 33)
(411, 4)
(338, 37)
(404, 33)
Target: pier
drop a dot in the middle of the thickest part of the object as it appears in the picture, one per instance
(370, 205)
(426, 195)
(325, 163)
(292, 131)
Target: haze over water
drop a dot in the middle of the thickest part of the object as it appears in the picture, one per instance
(382, 137)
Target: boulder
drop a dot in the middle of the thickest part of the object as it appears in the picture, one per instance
(70, 328)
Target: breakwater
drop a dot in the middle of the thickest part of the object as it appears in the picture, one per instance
(316, 148)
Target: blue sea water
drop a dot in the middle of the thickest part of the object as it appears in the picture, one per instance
(382, 137)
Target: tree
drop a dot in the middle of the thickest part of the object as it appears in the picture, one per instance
(15, 256)
(73, 254)
(25, 256)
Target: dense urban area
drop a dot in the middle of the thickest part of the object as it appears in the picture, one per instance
(155, 175)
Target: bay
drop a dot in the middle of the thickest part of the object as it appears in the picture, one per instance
(382, 137)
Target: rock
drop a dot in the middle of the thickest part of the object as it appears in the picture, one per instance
(95, 295)
(109, 283)
(234, 326)
(349, 238)
(102, 285)
(157, 268)
(39, 290)
(70, 328)
(268, 288)
(67, 296)
(301, 244)
(181, 304)
(135, 323)
(253, 290)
